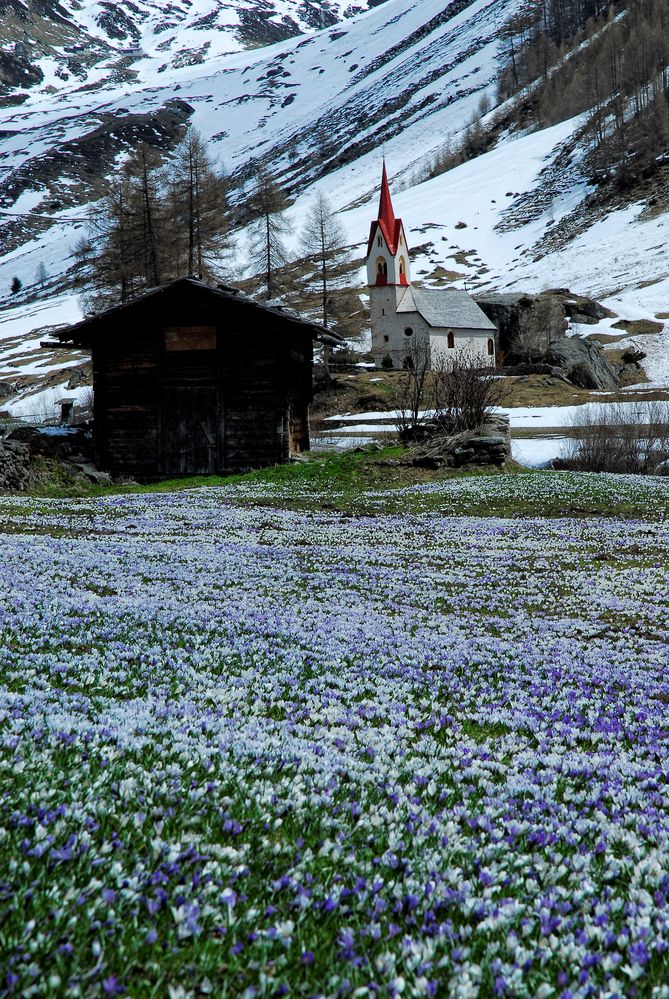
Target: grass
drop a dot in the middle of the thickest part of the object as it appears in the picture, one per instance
(364, 483)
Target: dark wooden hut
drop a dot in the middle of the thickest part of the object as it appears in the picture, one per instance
(191, 379)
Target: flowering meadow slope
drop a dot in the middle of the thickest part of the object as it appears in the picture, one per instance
(250, 750)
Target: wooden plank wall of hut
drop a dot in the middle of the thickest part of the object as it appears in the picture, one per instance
(127, 394)
(300, 379)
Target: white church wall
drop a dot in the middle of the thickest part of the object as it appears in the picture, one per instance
(468, 344)
(399, 345)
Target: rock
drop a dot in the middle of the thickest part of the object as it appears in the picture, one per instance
(25, 435)
(586, 309)
(662, 468)
(7, 389)
(94, 475)
(583, 363)
(428, 461)
(581, 319)
(488, 442)
(527, 324)
(461, 455)
(80, 376)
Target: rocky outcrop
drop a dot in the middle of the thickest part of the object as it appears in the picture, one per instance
(14, 466)
(580, 309)
(29, 456)
(16, 69)
(583, 362)
(527, 324)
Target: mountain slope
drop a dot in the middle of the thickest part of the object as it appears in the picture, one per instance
(49, 44)
(401, 77)
(319, 111)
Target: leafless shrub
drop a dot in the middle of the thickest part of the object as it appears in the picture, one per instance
(461, 393)
(410, 391)
(465, 393)
(84, 409)
(618, 438)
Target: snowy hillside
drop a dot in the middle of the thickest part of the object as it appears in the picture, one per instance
(403, 79)
(319, 111)
(47, 43)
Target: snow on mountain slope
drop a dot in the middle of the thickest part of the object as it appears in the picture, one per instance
(46, 44)
(403, 78)
(319, 111)
(187, 27)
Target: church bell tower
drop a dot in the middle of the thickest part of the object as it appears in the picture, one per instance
(387, 271)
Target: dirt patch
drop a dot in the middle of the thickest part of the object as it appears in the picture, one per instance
(441, 275)
(629, 372)
(461, 257)
(638, 327)
(662, 315)
(608, 338)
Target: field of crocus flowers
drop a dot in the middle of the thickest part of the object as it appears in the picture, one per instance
(260, 742)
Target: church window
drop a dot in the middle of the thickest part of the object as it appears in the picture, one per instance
(491, 347)
(386, 338)
(378, 241)
(451, 340)
(408, 331)
(382, 266)
(408, 363)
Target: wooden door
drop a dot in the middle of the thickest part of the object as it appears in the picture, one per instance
(192, 402)
(190, 429)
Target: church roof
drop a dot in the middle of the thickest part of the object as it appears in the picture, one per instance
(445, 307)
(391, 228)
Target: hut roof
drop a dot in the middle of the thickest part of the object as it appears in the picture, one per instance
(188, 292)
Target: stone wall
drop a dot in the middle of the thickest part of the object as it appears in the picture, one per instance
(489, 445)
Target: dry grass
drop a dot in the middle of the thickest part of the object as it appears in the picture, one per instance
(638, 327)
(374, 390)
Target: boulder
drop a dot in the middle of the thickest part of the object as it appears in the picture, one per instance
(585, 310)
(583, 363)
(527, 324)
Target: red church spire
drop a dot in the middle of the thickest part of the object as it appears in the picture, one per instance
(386, 229)
(386, 213)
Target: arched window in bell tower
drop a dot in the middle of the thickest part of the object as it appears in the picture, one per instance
(381, 270)
(451, 340)
(403, 271)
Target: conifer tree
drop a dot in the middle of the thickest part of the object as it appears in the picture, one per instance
(155, 224)
(322, 240)
(198, 211)
(267, 249)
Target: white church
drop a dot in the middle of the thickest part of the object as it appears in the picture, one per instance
(446, 322)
